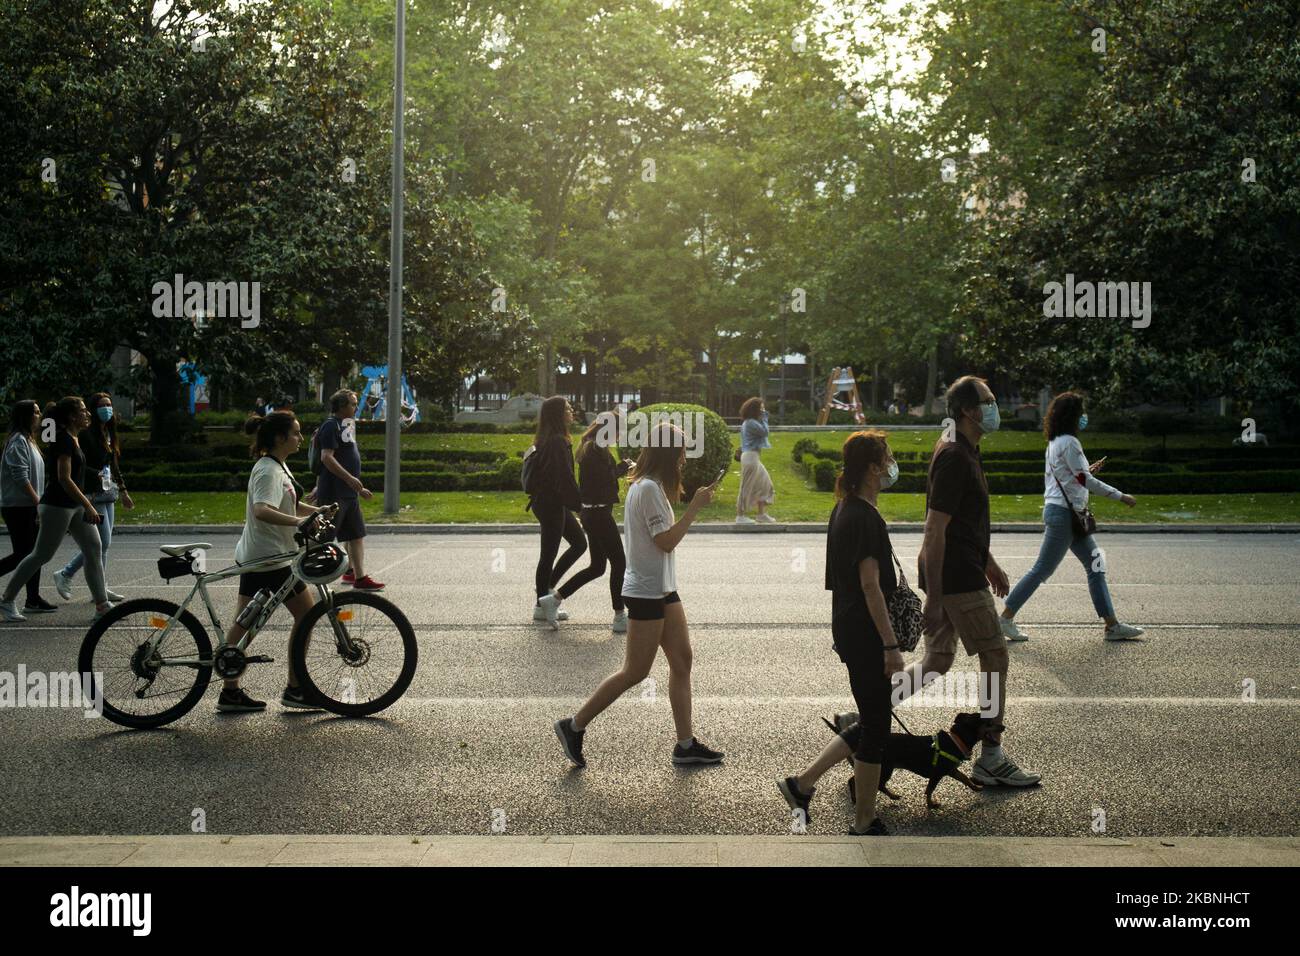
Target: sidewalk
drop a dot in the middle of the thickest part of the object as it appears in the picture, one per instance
(727, 527)
(306, 850)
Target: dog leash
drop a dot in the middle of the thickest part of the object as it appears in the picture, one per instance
(900, 722)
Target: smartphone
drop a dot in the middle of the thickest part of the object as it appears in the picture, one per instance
(722, 474)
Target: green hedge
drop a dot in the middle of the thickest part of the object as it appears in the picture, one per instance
(717, 445)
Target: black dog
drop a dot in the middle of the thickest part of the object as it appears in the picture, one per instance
(931, 757)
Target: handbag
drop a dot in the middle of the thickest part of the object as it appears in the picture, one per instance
(1083, 522)
(904, 609)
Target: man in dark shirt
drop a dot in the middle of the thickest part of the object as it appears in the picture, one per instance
(340, 483)
(956, 569)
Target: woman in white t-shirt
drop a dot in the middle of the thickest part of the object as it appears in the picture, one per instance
(656, 617)
(271, 518)
(1068, 479)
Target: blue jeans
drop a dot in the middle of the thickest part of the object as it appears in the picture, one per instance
(105, 539)
(1059, 538)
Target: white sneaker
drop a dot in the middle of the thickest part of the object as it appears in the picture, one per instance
(744, 519)
(1006, 774)
(114, 596)
(62, 584)
(549, 605)
(1123, 632)
(9, 611)
(765, 518)
(108, 606)
(620, 622)
(540, 615)
(1010, 631)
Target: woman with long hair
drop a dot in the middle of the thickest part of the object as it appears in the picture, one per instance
(553, 500)
(22, 479)
(598, 476)
(271, 517)
(102, 482)
(1068, 479)
(656, 616)
(64, 508)
(860, 575)
(756, 489)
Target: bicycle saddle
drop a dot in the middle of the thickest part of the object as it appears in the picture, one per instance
(178, 550)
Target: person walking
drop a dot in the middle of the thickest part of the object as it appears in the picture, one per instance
(273, 509)
(860, 575)
(339, 483)
(63, 508)
(598, 477)
(22, 479)
(102, 482)
(1068, 480)
(756, 489)
(657, 618)
(554, 498)
(957, 568)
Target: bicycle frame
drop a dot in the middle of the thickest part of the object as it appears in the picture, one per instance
(200, 588)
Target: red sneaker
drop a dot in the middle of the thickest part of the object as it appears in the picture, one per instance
(367, 584)
(349, 578)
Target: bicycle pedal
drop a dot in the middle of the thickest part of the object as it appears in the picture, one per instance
(259, 659)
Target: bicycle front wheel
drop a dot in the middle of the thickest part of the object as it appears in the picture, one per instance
(355, 655)
(140, 688)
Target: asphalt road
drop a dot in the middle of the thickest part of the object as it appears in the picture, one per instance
(1155, 734)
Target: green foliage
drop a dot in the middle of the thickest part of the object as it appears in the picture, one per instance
(717, 445)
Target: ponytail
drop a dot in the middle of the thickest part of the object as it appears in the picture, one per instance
(267, 429)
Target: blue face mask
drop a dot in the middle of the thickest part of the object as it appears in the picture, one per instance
(1083, 421)
(105, 414)
(990, 417)
(890, 476)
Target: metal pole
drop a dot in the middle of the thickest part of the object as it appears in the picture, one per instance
(393, 420)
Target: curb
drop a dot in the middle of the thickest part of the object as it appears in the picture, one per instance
(794, 527)
(444, 850)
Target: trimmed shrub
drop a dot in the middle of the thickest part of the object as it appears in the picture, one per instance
(824, 473)
(805, 446)
(717, 445)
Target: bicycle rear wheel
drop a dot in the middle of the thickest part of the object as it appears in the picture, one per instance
(365, 673)
(140, 690)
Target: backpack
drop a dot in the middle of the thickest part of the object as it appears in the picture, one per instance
(531, 473)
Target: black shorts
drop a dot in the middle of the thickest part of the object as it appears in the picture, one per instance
(348, 523)
(251, 583)
(649, 609)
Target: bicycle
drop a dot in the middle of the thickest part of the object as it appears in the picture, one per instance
(158, 639)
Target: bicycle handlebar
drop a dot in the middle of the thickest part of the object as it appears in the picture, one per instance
(316, 525)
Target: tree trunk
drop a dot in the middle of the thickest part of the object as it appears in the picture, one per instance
(168, 422)
(875, 387)
(931, 378)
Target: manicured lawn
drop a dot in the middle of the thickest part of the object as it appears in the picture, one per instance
(796, 500)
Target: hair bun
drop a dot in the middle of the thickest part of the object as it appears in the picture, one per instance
(252, 424)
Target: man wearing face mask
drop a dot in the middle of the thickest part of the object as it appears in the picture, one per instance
(956, 570)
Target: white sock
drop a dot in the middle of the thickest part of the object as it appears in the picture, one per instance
(991, 753)
(686, 744)
(573, 722)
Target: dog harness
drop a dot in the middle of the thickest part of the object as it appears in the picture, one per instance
(938, 751)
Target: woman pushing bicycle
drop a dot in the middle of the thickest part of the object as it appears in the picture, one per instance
(272, 515)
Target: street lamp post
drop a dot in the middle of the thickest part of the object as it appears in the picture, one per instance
(393, 423)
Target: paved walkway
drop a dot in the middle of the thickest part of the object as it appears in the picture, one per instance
(334, 850)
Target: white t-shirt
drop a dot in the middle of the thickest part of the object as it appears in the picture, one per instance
(1066, 463)
(651, 571)
(269, 483)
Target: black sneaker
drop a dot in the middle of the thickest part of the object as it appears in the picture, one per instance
(797, 799)
(236, 701)
(877, 828)
(571, 741)
(294, 697)
(695, 753)
(39, 606)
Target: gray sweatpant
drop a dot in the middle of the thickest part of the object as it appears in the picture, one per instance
(55, 523)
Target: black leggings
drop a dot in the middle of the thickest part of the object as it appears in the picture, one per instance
(864, 655)
(557, 522)
(606, 545)
(21, 522)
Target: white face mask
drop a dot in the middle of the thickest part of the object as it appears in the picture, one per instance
(890, 476)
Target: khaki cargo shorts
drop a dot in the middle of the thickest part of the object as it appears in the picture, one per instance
(970, 616)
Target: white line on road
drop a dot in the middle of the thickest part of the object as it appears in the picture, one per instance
(842, 700)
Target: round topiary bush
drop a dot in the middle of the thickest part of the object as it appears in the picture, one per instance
(802, 447)
(717, 443)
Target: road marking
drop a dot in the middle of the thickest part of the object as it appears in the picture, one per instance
(844, 700)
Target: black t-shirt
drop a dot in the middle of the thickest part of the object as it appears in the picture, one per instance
(957, 487)
(856, 532)
(64, 444)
